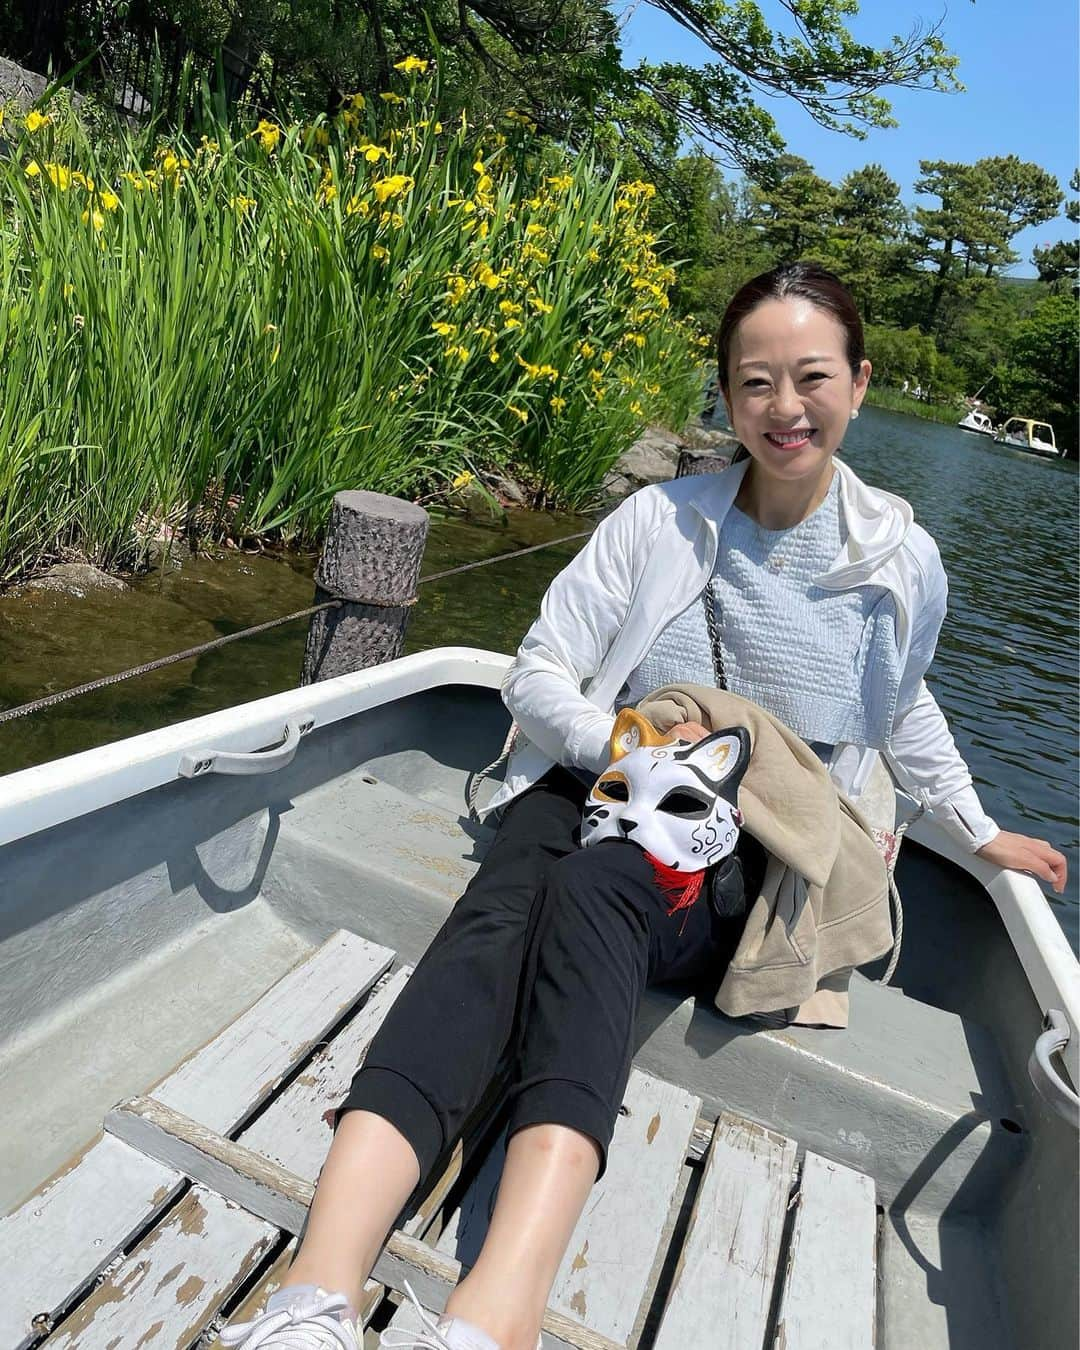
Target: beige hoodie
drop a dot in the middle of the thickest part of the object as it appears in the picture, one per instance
(824, 902)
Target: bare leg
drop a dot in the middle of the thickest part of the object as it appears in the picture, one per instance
(369, 1173)
(547, 1176)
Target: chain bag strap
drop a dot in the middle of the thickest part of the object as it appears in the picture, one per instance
(711, 603)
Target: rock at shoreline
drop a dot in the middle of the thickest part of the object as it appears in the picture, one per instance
(507, 490)
(24, 87)
(654, 456)
(77, 579)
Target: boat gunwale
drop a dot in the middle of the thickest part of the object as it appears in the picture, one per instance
(49, 794)
(43, 795)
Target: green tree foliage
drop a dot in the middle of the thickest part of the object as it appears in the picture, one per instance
(1021, 194)
(557, 60)
(950, 234)
(968, 236)
(992, 334)
(794, 214)
(900, 355)
(1039, 378)
(1060, 262)
(869, 247)
(706, 227)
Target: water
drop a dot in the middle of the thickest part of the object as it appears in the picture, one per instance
(1006, 667)
(1005, 673)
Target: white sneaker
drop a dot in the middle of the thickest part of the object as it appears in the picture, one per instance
(311, 1319)
(448, 1333)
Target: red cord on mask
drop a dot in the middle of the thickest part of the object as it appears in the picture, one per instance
(680, 888)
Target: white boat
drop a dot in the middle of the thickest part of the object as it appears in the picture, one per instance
(977, 421)
(1037, 438)
(192, 898)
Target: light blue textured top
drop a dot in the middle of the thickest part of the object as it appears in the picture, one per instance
(824, 662)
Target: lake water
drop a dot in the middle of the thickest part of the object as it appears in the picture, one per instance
(1005, 674)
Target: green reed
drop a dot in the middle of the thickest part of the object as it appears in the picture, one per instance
(215, 337)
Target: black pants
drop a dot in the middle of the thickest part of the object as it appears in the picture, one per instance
(542, 960)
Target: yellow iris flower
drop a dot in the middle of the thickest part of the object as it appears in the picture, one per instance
(268, 133)
(394, 186)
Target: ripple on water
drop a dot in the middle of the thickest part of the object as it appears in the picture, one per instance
(1005, 671)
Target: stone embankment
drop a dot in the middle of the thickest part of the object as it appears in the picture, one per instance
(654, 457)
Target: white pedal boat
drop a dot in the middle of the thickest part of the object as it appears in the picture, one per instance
(904, 1183)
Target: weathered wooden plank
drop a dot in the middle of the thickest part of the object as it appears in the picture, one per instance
(374, 1292)
(249, 1180)
(165, 1292)
(268, 1284)
(230, 1077)
(829, 1299)
(84, 1216)
(606, 1270)
(295, 1130)
(188, 1147)
(723, 1283)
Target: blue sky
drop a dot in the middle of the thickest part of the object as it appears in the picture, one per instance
(1019, 63)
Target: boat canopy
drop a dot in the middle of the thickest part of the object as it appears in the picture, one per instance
(1017, 426)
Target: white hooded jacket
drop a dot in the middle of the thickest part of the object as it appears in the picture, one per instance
(650, 559)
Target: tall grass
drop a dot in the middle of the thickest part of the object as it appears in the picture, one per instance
(882, 396)
(224, 334)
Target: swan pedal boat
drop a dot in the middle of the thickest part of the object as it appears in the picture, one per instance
(202, 926)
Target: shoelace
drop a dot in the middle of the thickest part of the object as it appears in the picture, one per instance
(430, 1338)
(317, 1310)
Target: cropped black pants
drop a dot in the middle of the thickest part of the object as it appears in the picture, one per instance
(542, 962)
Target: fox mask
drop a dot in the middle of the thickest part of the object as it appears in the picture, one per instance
(676, 801)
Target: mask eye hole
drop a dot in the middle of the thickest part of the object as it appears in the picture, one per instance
(687, 803)
(613, 789)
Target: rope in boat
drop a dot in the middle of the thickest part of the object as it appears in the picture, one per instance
(897, 903)
(38, 704)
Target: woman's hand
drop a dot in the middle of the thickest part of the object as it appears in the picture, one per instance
(690, 731)
(1025, 854)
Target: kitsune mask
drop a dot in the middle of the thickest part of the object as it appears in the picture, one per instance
(675, 800)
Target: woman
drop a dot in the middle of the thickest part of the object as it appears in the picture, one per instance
(809, 592)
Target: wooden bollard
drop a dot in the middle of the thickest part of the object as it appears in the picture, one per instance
(691, 462)
(371, 560)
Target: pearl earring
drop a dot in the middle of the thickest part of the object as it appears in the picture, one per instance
(854, 413)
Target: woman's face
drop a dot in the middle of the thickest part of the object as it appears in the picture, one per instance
(791, 391)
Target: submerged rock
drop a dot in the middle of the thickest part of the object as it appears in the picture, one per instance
(509, 492)
(77, 579)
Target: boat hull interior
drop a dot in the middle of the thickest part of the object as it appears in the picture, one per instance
(131, 935)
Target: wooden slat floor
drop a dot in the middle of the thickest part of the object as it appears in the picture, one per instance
(702, 1233)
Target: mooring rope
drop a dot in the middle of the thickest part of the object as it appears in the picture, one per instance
(36, 705)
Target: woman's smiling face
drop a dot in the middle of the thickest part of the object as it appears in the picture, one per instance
(791, 391)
